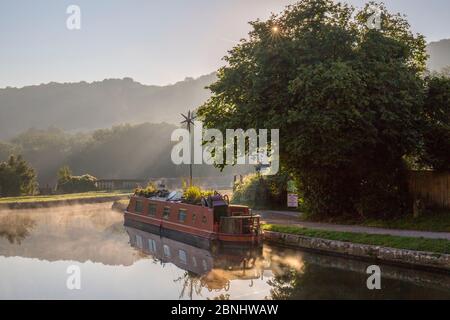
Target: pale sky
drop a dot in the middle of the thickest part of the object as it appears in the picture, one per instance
(152, 41)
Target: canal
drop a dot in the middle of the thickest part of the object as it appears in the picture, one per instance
(41, 248)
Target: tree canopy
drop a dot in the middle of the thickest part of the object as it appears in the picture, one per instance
(17, 178)
(348, 101)
(436, 153)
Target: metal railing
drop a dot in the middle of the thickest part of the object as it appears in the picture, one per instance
(239, 224)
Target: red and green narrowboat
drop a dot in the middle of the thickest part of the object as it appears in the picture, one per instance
(213, 221)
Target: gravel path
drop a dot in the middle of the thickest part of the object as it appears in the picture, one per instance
(292, 219)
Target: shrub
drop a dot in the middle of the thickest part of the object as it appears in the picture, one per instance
(262, 191)
(149, 191)
(77, 184)
(67, 183)
(194, 194)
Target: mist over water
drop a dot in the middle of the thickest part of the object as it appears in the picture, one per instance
(37, 246)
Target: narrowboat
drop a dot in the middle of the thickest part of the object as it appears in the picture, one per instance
(212, 222)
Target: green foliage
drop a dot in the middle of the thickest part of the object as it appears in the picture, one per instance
(132, 151)
(194, 194)
(64, 174)
(17, 178)
(49, 149)
(262, 191)
(431, 221)
(437, 220)
(67, 183)
(347, 101)
(149, 191)
(437, 124)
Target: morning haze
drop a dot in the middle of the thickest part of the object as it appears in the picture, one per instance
(63, 85)
(153, 42)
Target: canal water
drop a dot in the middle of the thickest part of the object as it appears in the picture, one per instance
(43, 251)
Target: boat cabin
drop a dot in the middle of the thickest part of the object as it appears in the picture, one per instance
(214, 218)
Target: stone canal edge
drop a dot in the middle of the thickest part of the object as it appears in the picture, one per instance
(419, 259)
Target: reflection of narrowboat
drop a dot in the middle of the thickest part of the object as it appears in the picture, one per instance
(214, 221)
(215, 270)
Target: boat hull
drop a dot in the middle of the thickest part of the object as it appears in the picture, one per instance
(190, 235)
(193, 240)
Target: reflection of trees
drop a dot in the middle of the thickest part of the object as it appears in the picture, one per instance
(15, 227)
(317, 282)
(217, 280)
(285, 285)
(191, 284)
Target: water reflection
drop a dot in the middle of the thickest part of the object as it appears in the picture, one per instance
(73, 233)
(204, 269)
(117, 262)
(15, 227)
(289, 274)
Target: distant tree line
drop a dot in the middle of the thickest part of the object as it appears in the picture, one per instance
(122, 152)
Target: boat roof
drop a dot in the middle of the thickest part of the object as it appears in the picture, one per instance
(217, 200)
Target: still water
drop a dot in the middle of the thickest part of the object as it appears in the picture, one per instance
(116, 262)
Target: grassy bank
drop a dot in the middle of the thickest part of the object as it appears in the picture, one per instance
(416, 244)
(60, 197)
(438, 221)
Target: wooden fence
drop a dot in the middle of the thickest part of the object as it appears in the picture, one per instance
(431, 187)
(120, 184)
(214, 183)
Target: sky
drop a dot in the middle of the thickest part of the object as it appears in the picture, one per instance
(152, 41)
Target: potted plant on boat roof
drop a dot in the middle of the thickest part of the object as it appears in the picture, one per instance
(194, 194)
(149, 191)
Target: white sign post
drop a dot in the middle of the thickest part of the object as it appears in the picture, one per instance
(292, 201)
(292, 197)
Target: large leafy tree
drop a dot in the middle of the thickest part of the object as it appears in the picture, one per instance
(17, 178)
(436, 153)
(346, 98)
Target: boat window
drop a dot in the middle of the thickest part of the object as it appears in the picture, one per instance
(152, 245)
(166, 213)
(194, 218)
(204, 220)
(152, 209)
(166, 251)
(139, 241)
(182, 255)
(182, 214)
(138, 207)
